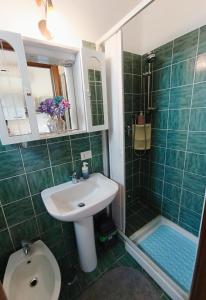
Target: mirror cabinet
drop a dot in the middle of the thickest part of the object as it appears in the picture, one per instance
(48, 91)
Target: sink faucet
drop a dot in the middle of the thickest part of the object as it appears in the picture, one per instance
(25, 246)
(74, 177)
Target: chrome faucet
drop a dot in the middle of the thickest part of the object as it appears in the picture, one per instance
(25, 246)
(74, 177)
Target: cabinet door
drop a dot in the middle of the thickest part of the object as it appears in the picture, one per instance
(17, 119)
(95, 93)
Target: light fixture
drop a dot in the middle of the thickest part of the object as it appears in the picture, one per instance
(42, 24)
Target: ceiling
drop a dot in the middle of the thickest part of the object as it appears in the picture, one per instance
(72, 21)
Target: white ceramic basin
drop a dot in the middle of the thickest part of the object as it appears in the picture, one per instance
(62, 201)
(78, 203)
(35, 276)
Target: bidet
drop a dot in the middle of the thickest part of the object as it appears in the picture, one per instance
(34, 276)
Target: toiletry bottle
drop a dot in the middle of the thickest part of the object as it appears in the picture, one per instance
(141, 119)
(85, 170)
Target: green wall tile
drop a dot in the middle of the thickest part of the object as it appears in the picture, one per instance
(39, 206)
(190, 218)
(159, 137)
(192, 201)
(183, 72)
(185, 46)
(60, 153)
(25, 231)
(161, 99)
(197, 120)
(170, 207)
(136, 84)
(137, 64)
(176, 139)
(39, 180)
(2, 220)
(97, 164)
(163, 56)
(96, 144)
(5, 243)
(175, 158)
(157, 170)
(173, 176)
(161, 79)
(172, 192)
(63, 173)
(128, 102)
(195, 163)
(46, 222)
(14, 216)
(10, 164)
(178, 119)
(13, 189)
(200, 70)
(194, 183)
(156, 185)
(202, 40)
(128, 57)
(128, 83)
(181, 97)
(159, 119)
(79, 145)
(199, 99)
(158, 154)
(197, 142)
(35, 158)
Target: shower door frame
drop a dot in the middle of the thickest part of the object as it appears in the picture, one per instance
(198, 291)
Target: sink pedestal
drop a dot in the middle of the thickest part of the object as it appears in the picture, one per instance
(84, 230)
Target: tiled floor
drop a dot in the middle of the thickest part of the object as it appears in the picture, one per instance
(137, 216)
(116, 256)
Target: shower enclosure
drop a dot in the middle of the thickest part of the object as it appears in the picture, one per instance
(162, 181)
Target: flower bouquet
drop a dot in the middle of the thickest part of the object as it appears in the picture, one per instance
(55, 108)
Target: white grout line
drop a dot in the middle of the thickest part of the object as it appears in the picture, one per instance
(167, 128)
(30, 195)
(50, 164)
(188, 128)
(8, 228)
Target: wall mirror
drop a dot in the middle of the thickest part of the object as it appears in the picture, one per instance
(52, 86)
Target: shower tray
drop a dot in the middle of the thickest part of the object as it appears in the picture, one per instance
(167, 252)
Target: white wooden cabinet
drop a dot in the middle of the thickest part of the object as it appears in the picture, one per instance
(85, 79)
(16, 105)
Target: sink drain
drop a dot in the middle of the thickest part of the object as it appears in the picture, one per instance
(81, 204)
(33, 282)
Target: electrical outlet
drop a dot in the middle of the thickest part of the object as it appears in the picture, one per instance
(86, 155)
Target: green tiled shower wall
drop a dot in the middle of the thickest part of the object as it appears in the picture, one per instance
(132, 102)
(172, 174)
(24, 173)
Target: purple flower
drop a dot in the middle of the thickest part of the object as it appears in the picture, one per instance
(54, 107)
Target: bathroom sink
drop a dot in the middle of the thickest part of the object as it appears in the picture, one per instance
(35, 276)
(73, 202)
(78, 203)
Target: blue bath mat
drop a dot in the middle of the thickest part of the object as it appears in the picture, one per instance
(174, 253)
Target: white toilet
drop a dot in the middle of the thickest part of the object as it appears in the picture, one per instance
(35, 276)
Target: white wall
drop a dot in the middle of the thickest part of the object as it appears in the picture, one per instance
(161, 22)
(72, 21)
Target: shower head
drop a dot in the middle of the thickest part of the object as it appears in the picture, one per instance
(150, 57)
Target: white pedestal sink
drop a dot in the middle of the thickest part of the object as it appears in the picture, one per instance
(78, 203)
